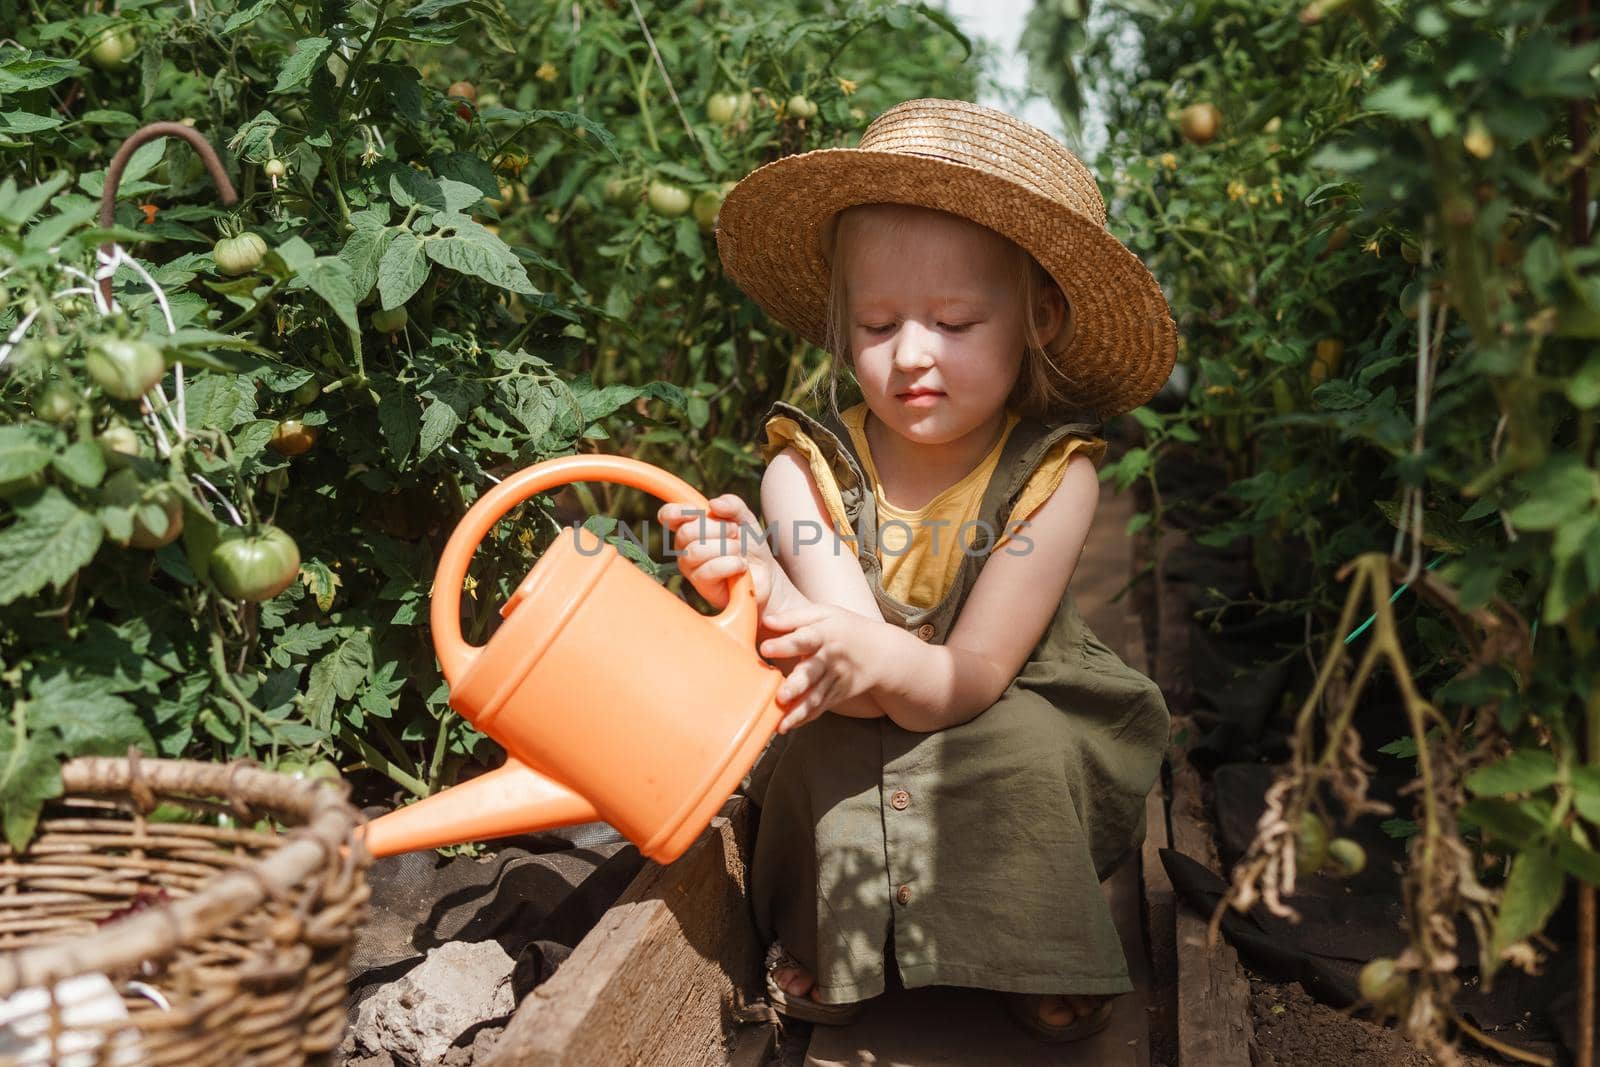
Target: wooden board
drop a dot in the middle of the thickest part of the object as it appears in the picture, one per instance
(1213, 1003)
(657, 980)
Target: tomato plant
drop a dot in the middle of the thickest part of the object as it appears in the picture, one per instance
(424, 352)
(1373, 222)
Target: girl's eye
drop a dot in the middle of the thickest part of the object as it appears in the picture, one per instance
(957, 327)
(885, 328)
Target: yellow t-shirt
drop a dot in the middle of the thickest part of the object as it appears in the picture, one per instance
(918, 546)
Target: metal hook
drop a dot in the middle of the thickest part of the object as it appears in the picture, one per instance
(119, 163)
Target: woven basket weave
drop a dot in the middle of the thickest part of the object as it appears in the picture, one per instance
(229, 945)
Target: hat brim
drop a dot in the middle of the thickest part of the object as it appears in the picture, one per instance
(770, 237)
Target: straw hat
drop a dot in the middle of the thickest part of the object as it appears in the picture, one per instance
(982, 165)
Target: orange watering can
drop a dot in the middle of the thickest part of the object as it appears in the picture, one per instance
(614, 699)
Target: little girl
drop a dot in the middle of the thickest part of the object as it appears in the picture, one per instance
(974, 761)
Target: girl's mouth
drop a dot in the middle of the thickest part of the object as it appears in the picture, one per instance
(921, 400)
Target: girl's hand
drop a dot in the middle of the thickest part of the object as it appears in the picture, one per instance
(711, 551)
(835, 646)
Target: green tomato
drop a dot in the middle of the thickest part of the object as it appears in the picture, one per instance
(1348, 857)
(125, 369)
(274, 168)
(390, 320)
(254, 566)
(722, 107)
(1382, 986)
(667, 200)
(239, 255)
(619, 191)
(118, 442)
(112, 48)
(125, 490)
(57, 402)
(800, 107)
(1312, 843)
(308, 391)
(708, 203)
(300, 769)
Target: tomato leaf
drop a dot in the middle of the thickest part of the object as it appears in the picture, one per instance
(402, 270)
(21, 452)
(467, 248)
(245, 16)
(81, 462)
(298, 68)
(337, 676)
(364, 249)
(30, 774)
(1524, 771)
(51, 540)
(1531, 894)
(87, 713)
(439, 421)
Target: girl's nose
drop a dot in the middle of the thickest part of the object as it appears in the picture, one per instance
(914, 347)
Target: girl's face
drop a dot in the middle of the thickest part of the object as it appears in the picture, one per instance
(935, 320)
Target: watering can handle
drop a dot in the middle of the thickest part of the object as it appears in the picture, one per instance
(738, 618)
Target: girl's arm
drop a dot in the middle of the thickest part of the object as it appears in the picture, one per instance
(816, 564)
(1004, 616)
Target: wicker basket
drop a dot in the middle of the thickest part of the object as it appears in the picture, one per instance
(227, 945)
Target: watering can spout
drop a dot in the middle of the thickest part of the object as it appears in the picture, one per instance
(515, 799)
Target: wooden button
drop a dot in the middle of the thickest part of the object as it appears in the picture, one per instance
(925, 631)
(903, 894)
(900, 800)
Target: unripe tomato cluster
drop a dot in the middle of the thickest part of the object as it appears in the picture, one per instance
(1315, 851)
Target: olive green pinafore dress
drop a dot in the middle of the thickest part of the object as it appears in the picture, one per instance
(983, 845)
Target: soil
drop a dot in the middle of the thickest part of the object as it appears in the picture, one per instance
(1293, 1030)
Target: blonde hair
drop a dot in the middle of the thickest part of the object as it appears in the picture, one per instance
(1041, 386)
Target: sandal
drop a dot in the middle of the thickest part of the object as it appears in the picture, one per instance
(1025, 1009)
(812, 1011)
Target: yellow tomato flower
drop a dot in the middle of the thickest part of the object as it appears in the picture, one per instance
(1373, 247)
(546, 72)
(471, 586)
(1169, 161)
(846, 86)
(1236, 189)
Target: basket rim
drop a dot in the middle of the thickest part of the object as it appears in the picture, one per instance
(326, 835)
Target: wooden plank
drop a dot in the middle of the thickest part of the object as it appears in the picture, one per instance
(655, 981)
(1213, 1002)
(1161, 932)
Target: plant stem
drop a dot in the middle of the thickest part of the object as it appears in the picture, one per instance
(441, 747)
(381, 763)
(219, 667)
